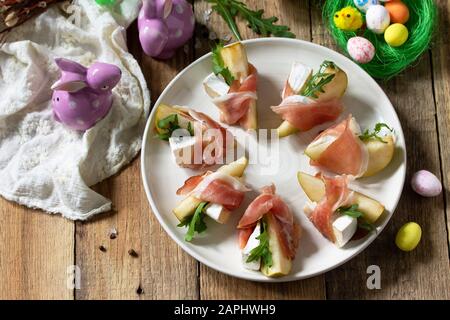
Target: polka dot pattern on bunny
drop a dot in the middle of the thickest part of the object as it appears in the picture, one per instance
(179, 8)
(72, 104)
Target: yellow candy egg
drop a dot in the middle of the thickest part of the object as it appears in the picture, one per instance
(408, 237)
(396, 35)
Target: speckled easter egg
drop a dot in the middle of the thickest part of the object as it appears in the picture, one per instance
(398, 11)
(360, 49)
(377, 18)
(363, 5)
(426, 184)
(396, 35)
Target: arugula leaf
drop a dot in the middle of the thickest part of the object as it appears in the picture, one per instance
(195, 223)
(366, 225)
(228, 13)
(351, 211)
(164, 136)
(259, 24)
(229, 9)
(219, 66)
(168, 121)
(170, 124)
(319, 80)
(262, 250)
(366, 135)
(190, 129)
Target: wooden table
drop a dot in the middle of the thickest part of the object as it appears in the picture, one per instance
(36, 249)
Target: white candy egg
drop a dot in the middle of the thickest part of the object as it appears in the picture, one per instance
(363, 5)
(360, 49)
(377, 18)
(426, 184)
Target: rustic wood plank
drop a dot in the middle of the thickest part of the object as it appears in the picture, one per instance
(214, 285)
(36, 249)
(441, 72)
(161, 270)
(423, 273)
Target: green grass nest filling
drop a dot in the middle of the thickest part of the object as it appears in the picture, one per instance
(389, 61)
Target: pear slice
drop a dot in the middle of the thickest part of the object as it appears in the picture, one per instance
(250, 120)
(337, 87)
(316, 148)
(286, 129)
(235, 59)
(164, 111)
(380, 154)
(315, 191)
(334, 89)
(281, 265)
(187, 207)
(313, 187)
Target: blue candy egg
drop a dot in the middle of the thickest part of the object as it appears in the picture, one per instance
(363, 5)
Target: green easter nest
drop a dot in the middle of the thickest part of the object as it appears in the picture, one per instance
(389, 61)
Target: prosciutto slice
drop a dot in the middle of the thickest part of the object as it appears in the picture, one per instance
(210, 143)
(337, 194)
(215, 187)
(346, 154)
(304, 113)
(234, 105)
(286, 228)
(244, 234)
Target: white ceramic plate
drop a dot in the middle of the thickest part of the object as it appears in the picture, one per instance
(218, 248)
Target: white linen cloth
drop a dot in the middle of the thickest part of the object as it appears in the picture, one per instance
(43, 164)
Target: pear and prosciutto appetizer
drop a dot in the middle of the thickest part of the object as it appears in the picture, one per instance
(268, 235)
(311, 99)
(195, 139)
(232, 86)
(214, 194)
(344, 149)
(337, 211)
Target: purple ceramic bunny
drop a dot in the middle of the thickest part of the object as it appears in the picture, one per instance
(165, 25)
(83, 96)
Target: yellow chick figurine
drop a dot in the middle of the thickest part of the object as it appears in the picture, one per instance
(348, 19)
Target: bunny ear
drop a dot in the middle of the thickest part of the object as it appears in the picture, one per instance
(166, 8)
(67, 65)
(159, 9)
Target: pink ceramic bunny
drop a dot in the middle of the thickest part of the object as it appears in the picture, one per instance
(165, 25)
(83, 96)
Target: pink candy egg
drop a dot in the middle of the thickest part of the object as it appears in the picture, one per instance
(360, 49)
(426, 184)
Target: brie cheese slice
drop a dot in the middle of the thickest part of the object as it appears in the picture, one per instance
(215, 86)
(217, 212)
(252, 244)
(182, 148)
(298, 77)
(344, 227)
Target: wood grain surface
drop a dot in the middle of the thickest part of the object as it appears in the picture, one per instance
(36, 249)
